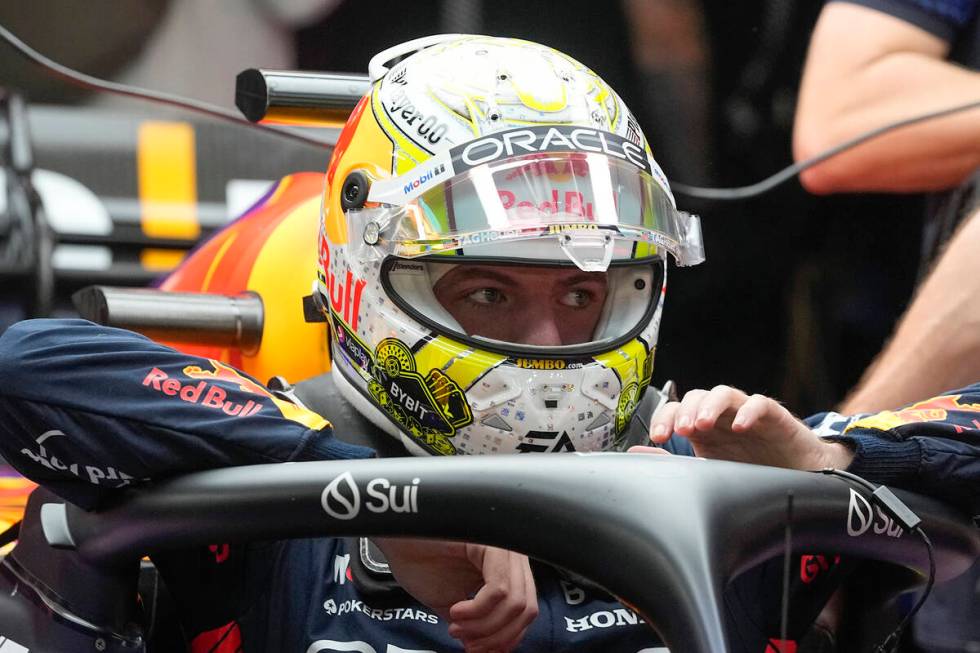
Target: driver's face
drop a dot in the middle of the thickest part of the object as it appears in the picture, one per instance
(526, 305)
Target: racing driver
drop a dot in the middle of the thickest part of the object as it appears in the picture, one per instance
(492, 264)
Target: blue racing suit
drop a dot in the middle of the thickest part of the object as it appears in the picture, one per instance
(85, 410)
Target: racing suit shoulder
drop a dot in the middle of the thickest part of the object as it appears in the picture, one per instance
(930, 446)
(86, 408)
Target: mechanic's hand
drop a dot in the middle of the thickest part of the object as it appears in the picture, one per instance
(727, 424)
(445, 575)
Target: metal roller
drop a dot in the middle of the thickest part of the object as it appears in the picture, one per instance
(233, 321)
(300, 98)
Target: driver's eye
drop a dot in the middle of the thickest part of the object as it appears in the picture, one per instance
(486, 296)
(577, 298)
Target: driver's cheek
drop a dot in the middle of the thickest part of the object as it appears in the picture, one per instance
(577, 325)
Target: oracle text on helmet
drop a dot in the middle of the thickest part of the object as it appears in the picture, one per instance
(579, 139)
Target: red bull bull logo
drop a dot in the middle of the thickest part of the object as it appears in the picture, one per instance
(205, 392)
(222, 372)
(936, 409)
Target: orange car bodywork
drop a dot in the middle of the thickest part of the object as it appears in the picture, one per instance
(270, 250)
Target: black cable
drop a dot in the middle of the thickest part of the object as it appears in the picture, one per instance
(854, 478)
(94, 83)
(767, 184)
(738, 193)
(891, 642)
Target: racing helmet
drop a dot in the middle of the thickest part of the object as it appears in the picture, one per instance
(473, 150)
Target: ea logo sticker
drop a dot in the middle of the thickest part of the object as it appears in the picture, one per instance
(341, 499)
(859, 515)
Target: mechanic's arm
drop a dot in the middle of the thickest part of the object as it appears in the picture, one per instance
(936, 345)
(932, 447)
(865, 69)
(85, 409)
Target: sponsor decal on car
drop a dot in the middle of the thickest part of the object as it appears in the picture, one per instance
(341, 498)
(861, 518)
(812, 566)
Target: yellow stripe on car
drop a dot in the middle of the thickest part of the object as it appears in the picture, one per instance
(167, 178)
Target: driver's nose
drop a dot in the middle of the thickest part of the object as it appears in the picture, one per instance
(540, 328)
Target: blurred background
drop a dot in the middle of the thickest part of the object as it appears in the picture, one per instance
(798, 292)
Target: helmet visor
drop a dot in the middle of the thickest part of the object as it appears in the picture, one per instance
(596, 208)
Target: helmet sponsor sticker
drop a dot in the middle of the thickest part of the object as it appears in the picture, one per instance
(430, 408)
(552, 138)
(424, 130)
(344, 295)
(523, 141)
(426, 178)
(545, 442)
(541, 363)
(628, 400)
(353, 349)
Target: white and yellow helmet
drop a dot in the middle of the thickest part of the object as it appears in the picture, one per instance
(476, 150)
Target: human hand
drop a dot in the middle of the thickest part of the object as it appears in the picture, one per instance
(726, 424)
(444, 575)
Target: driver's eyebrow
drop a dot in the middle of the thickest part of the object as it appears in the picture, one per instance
(474, 272)
(586, 277)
